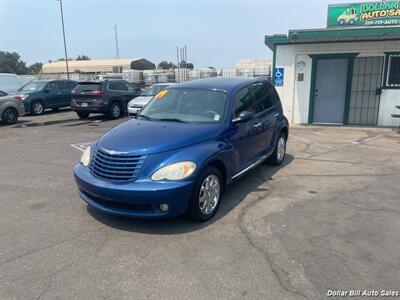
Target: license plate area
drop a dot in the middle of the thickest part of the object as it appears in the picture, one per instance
(84, 104)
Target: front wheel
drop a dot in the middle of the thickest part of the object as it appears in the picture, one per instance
(37, 108)
(206, 195)
(10, 116)
(279, 153)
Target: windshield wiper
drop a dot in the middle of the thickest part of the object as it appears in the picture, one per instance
(144, 117)
(172, 120)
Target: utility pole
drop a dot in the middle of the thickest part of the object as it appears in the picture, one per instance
(65, 43)
(116, 41)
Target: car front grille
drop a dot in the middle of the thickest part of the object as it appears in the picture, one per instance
(121, 167)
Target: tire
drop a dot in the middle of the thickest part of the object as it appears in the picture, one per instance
(198, 209)
(278, 156)
(82, 115)
(10, 116)
(351, 22)
(115, 110)
(341, 22)
(37, 108)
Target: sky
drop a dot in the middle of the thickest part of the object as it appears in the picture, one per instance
(216, 33)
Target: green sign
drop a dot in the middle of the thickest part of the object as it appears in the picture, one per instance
(364, 14)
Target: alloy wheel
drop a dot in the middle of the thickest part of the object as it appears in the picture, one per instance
(115, 111)
(209, 195)
(281, 148)
(10, 116)
(38, 108)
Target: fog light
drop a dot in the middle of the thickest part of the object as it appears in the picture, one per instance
(164, 207)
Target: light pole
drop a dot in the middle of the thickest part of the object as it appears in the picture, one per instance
(65, 43)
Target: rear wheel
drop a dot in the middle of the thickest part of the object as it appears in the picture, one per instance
(115, 110)
(37, 108)
(206, 196)
(279, 153)
(82, 115)
(10, 115)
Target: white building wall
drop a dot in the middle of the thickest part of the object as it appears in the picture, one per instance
(295, 95)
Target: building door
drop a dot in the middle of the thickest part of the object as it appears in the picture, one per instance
(330, 90)
(364, 100)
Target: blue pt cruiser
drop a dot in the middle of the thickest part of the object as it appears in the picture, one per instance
(178, 155)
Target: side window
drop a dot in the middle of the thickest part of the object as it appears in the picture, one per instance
(274, 95)
(243, 101)
(63, 85)
(52, 86)
(70, 85)
(131, 87)
(262, 97)
(117, 86)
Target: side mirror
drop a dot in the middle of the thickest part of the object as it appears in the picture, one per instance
(243, 117)
(46, 90)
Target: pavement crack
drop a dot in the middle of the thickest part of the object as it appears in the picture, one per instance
(280, 274)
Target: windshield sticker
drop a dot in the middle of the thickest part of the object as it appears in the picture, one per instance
(217, 117)
(161, 94)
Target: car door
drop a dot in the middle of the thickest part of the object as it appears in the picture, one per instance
(243, 137)
(118, 90)
(265, 120)
(132, 91)
(52, 94)
(65, 96)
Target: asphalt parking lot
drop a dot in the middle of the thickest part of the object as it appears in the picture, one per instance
(328, 219)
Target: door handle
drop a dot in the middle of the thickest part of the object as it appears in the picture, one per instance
(275, 115)
(258, 125)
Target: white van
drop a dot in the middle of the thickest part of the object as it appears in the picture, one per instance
(11, 82)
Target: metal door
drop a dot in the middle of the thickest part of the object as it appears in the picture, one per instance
(365, 95)
(330, 90)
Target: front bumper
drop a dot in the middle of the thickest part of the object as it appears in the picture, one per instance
(135, 199)
(134, 110)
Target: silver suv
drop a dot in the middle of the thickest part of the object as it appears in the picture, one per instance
(11, 107)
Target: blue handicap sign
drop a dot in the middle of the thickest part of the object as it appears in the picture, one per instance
(279, 74)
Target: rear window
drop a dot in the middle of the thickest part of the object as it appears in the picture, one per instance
(87, 87)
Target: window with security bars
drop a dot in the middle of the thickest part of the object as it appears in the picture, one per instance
(393, 71)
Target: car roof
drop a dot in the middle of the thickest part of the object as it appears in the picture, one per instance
(227, 84)
(100, 81)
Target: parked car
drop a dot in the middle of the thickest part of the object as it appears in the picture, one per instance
(104, 96)
(179, 154)
(11, 107)
(136, 104)
(39, 95)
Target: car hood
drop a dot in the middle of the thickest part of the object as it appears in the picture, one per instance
(141, 100)
(142, 137)
(15, 93)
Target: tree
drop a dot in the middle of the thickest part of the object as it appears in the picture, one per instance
(164, 65)
(63, 59)
(186, 65)
(10, 62)
(34, 69)
(82, 57)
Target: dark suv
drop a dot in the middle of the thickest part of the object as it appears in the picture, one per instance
(105, 96)
(38, 95)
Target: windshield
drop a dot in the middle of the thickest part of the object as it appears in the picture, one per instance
(186, 105)
(33, 86)
(152, 91)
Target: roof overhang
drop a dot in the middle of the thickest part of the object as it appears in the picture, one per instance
(327, 35)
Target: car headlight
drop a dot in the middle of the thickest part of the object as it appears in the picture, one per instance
(175, 171)
(85, 159)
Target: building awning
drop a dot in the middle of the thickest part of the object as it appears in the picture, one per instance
(333, 35)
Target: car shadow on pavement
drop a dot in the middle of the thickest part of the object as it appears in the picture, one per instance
(234, 195)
